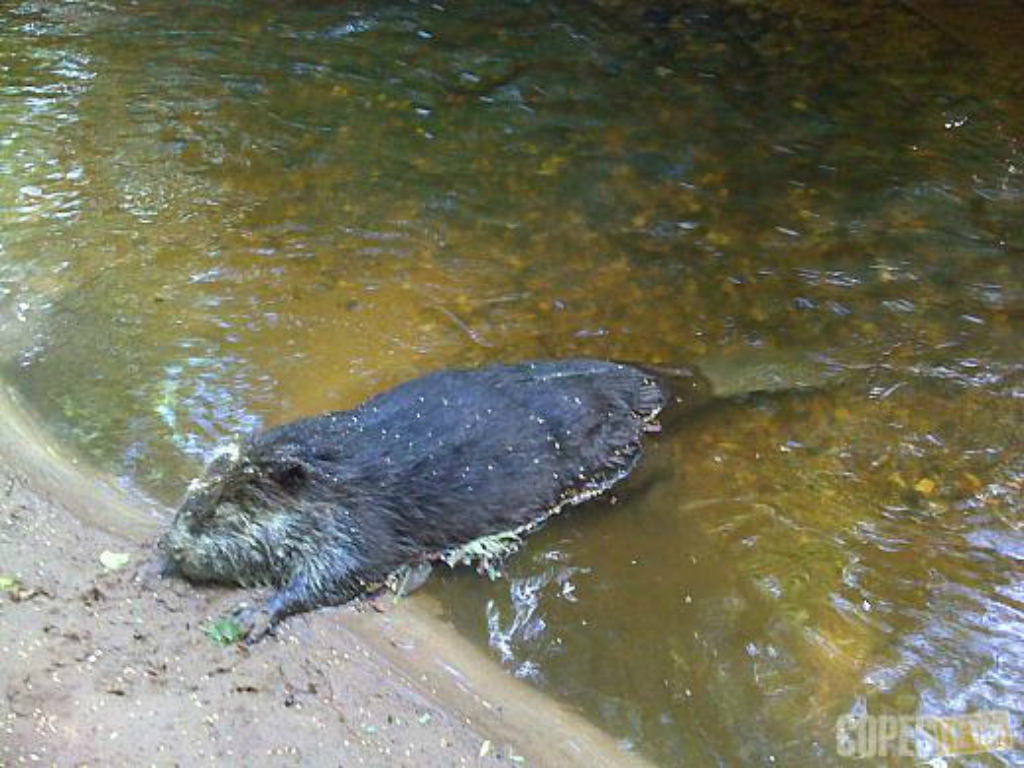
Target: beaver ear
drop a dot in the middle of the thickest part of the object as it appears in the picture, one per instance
(289, 474)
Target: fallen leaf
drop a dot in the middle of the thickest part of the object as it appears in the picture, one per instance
(9, 583)
(114, 561)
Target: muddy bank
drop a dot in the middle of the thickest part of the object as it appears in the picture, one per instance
(114, 667)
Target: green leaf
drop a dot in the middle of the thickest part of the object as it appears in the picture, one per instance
(224, 631)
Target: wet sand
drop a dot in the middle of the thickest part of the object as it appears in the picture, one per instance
(114, 667)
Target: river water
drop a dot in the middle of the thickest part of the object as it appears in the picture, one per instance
(225, 215)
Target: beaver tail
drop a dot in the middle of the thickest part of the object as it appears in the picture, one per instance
(686, 388)
(683, 388)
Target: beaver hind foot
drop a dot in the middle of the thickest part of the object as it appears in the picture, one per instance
(326, 508)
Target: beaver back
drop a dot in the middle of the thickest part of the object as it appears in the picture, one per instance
(449, 457)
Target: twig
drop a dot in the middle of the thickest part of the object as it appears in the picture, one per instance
(462, 325)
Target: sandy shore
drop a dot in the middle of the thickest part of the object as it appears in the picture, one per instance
(113, 667)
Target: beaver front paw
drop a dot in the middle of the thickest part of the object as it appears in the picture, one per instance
(254, 622)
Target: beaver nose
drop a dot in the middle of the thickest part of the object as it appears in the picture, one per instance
(163, 545)
(169, 568)
(170, 551)
(169, 565)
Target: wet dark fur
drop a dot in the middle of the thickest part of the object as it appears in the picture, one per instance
(326, 508)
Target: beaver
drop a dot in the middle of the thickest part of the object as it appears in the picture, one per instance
(326, 508)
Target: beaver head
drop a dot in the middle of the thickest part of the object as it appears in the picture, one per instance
(244, 520)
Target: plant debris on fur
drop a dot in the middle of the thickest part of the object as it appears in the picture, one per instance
(487, 552)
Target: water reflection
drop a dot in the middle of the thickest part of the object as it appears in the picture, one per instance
(229, 217)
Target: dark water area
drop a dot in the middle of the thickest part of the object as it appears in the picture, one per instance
(225, 215)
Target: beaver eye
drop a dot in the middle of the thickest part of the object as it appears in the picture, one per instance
(199, 508)
(201, 499)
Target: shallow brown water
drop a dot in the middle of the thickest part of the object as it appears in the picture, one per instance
(227, 217)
